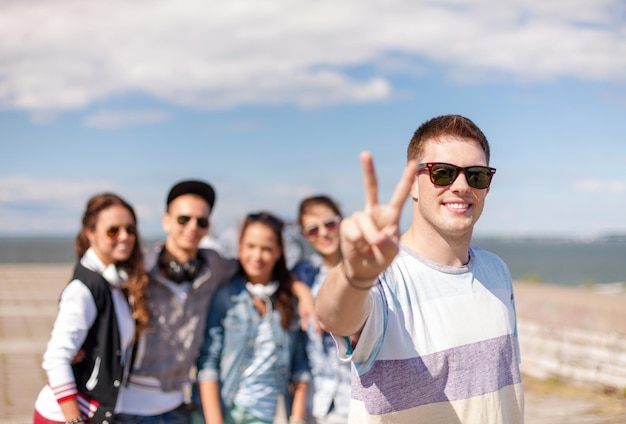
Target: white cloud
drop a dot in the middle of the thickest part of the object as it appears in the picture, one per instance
(44, 205)
(31, 205)
(69, 54)
(29, 190)
(119, 118)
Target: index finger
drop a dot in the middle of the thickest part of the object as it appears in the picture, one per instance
(370, 182)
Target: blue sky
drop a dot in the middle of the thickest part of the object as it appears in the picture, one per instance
(272, 101)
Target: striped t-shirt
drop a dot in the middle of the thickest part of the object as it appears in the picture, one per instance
(440, 345)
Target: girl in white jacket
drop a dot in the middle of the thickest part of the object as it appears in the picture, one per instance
(100, 312)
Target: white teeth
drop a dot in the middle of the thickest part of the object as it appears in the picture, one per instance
(457, 205)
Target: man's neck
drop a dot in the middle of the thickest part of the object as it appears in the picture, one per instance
(450, 251)
(181, 255)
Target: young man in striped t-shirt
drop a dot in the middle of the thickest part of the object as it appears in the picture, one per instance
(427, 318)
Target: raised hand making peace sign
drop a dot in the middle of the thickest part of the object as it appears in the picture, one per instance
(369, 242)
(369, 238)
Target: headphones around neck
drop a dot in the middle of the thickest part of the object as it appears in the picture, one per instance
(179, 272)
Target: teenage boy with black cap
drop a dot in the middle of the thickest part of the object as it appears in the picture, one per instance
(183, 279)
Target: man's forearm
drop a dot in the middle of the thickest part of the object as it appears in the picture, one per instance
(343, 304)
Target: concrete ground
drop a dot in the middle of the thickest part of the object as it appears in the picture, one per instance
(28, 297)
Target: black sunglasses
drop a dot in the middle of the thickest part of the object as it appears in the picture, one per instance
(330, 224)
(201, 221)
(113, 231)
(444, 174)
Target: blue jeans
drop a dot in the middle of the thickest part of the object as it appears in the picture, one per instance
(180, 415)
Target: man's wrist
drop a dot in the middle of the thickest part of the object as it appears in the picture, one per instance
(358, 283)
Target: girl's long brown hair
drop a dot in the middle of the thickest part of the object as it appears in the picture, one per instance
(284, 301)
(135, 288)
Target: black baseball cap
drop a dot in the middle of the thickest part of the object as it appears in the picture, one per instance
(200, 188)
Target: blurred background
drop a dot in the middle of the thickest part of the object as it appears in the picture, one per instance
(272, 101)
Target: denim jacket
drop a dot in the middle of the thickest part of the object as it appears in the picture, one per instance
(228, 344)
(330, 377)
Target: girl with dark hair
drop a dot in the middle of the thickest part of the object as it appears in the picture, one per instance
(253, 338)
(101, 311)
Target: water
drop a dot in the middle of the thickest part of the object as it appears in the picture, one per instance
(46, 250)
(567, 262)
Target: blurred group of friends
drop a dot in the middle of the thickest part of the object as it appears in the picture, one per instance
(374, 326)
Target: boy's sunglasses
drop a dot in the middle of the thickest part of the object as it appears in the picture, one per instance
(201, 221)
(444, 174)
(330, 224)
(114, 231)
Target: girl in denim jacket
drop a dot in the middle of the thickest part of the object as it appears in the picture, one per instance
(253, 357)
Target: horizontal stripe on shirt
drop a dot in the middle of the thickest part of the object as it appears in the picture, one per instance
(505, 406)
(458, 373)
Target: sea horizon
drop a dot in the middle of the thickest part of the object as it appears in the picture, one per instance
(557, 260)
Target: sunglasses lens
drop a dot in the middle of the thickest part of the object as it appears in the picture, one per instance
(443, 174)
(312, 231)
(479, 177)
(113, 231)
(331, 224)
(183, 219)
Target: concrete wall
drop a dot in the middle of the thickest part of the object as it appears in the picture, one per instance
(582, 356)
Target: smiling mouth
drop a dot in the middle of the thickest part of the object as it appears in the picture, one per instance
(458, 206)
